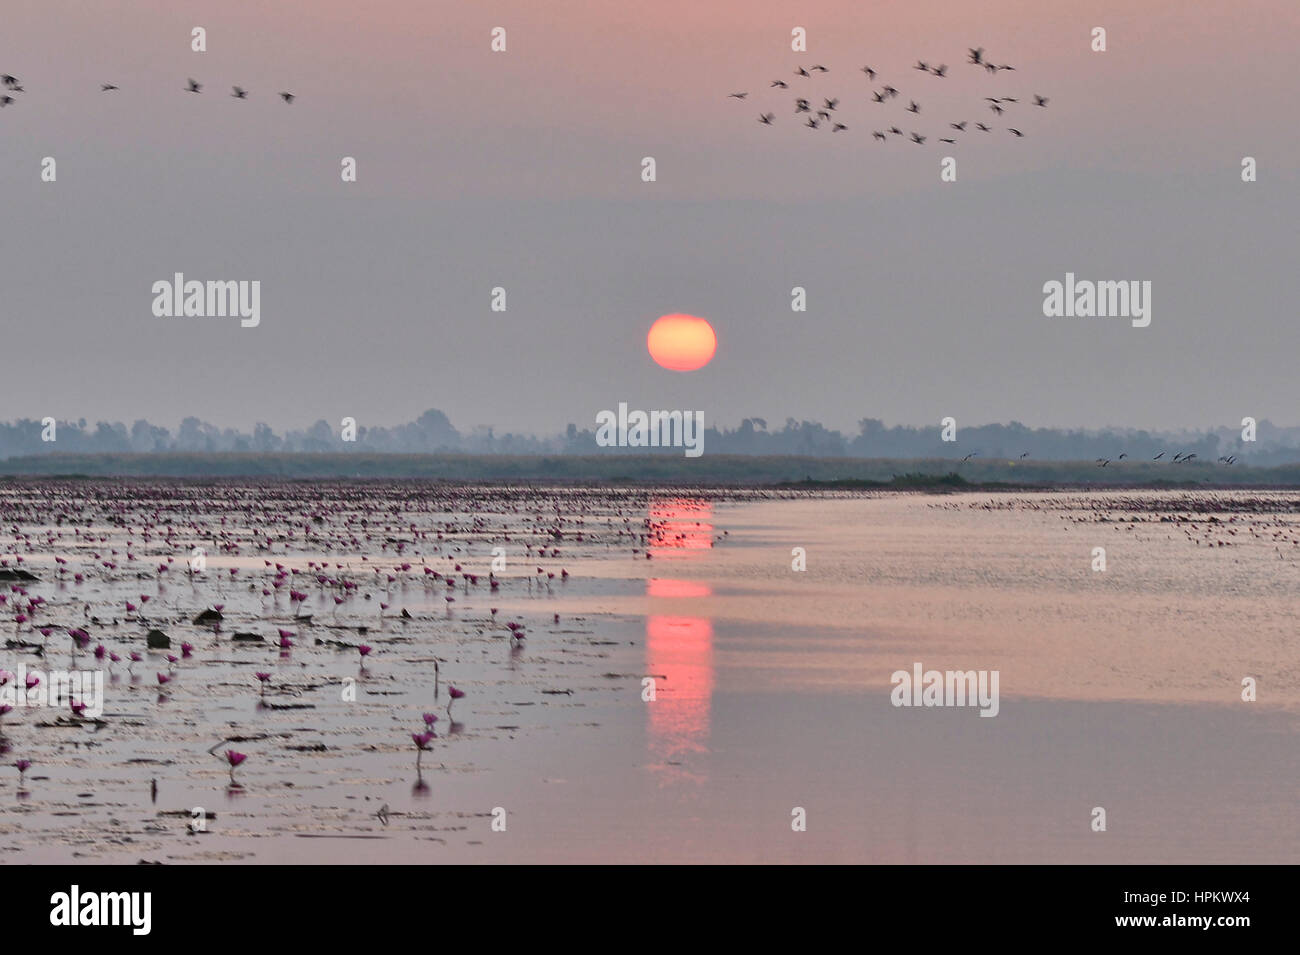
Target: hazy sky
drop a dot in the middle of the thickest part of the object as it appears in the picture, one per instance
(522, 170)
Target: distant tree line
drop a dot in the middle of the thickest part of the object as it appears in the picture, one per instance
(432, 432)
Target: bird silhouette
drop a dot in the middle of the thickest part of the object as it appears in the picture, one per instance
(194, 87)
(871, 74)
(947, 140)
(914, 107)
(5, 101)
(779, 84)
(923, 66)
(766, 118)
(821, 69)
(890, 91)
(971, 455)
(737, 95)
(239, 92)
(960, 127)
(1026, 454)
(801, 106)
(880, 136)
(895, 130)
(287, 97)
(976, 55)
(878, 97)
(105, 87)
(831, 103)
(802, 72)
(940, 70)
(997, 109)
(812, 123)
(1040, 100)
(1158, 456)
(919, 140)
(9, 81)
(1019, 134)
(981, 126)
(837, 127)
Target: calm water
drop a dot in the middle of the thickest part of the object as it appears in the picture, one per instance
(1119, 688)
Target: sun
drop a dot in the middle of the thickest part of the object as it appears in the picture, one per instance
(681, 342)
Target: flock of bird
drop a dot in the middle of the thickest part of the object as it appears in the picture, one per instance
(1179, 458)
(11, 84)
(827, 114)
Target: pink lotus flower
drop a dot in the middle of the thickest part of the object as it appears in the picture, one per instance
(422, 741)
(163, 679)
(364, 650)
(234, 759)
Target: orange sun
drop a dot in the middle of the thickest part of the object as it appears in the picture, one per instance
(681, 342)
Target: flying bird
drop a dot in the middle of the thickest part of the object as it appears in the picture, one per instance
(779, 84)
(913, 107)
(960, 127)
(940, 70)
(837, 127)
(287, 97)
(1158, 456)
(880, 136)
(879, 98)
(923, 66)
(947, 140)
(730, 96)
(801, 106)
(919, 140)
(1040, 100)
(812, 123)
(1019, 134)
(871, 74)
(976, 55)
(831, 103)
(821, 69)
(890, 91)
(983, 127)
(766, 118)
(194, 87)
(5, 101)
(802, 72)
(239, 92)
(997, 109)
(105, 87)
(9, 81)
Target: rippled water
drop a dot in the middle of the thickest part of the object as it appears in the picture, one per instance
(1119, 689)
